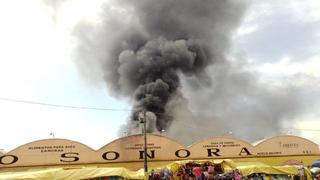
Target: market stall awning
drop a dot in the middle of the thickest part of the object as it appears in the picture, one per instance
(70, 174)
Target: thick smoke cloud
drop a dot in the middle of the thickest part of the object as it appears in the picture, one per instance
(237, 103)
(172, 58)
(152, 73)
(145, 48)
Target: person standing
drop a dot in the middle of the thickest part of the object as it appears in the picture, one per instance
(197, 172)
(237, 175)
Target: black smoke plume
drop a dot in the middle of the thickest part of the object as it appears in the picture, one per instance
(148, 44)
(173, 58)
(152, 71)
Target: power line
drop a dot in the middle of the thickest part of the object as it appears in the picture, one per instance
(62, 106)
(74, 107)
(302, 129)
(111, 109)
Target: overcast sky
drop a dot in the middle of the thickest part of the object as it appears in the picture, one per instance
(279, 40)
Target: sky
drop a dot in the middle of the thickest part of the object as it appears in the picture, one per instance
(279, 40)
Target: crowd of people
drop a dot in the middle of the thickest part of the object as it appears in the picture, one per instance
(210, 171)
(194, 171)
(163, 174)
(205, 171)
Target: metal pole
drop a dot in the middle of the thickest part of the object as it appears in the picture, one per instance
(145, 142)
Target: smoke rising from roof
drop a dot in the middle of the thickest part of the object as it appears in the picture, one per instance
(166, 38)
(236, 103)
(169, 57)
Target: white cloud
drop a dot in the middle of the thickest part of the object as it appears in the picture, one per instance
(250, 22)
(308, 127)
(258, 10)
(245, 30)
(306, 11)
(73, 11)
(285, 67)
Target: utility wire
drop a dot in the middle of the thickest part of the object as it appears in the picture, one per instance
(62, 106)
(111, 109)
(302, 129)
(74, 107)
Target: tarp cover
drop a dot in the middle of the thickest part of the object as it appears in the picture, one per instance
(70, 174)
(247, 168)
(250, 168)
(86, 172)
